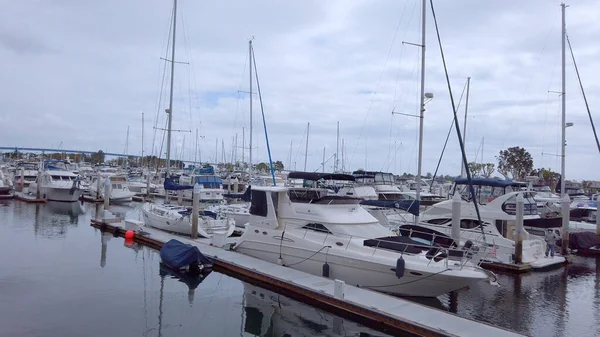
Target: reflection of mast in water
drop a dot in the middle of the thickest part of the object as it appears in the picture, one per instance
(160, 304)
(104, 238)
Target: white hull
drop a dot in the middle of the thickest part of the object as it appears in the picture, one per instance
(356, 264)
(169, 219)
(59, 193)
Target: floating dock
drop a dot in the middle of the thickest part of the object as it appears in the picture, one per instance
(28, 198)
(385, 313)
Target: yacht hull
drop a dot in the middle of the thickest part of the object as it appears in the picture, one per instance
(356, 269)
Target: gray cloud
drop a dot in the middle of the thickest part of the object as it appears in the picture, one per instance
(82, 72)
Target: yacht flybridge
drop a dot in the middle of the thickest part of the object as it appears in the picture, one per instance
(309, 229)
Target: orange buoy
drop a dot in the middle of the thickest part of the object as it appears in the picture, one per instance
(129, 235)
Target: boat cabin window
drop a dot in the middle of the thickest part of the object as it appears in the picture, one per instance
(56, 178)
(469, 224)
(317, 227)
(306, 195)
(259, 203)
(117, 186)
(394, 196)
(530, 207)
(384, 178)
(439, 221)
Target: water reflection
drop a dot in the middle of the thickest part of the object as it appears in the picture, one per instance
(49, 282)
(53, 219)
(537, 303)
(267, 313)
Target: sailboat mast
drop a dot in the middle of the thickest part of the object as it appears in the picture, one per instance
(422, 102)
(337, 147)
(306, 149)
(196, 149)
(564, 106)
(127, 147)
(170, 111)
(250, 91)
(142, 163)
(462, 167)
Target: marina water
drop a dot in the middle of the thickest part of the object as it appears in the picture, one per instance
(61, 277)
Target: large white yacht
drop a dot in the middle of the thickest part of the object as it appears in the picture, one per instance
(56, 183)
(310, 230)
(497, 208)
(119, 191)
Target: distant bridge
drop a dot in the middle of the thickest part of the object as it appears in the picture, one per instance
(22, 149)
(34, 149)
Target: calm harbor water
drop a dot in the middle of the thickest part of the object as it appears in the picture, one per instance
(61, 277)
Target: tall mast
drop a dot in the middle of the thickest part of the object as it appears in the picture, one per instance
(250, 68)
(243, 146)
(564, 106)
(196, 148)
(127, 147)
(142, 139)
(306, 149)
(170, 110)
(422, 102)
(462, 166)
(337, 148)
(290, 161)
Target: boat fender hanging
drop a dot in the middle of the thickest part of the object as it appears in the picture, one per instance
(326, 270)
(400, 267)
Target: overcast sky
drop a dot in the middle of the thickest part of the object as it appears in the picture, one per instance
(78, 73)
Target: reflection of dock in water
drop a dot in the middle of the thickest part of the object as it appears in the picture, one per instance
(267, 313)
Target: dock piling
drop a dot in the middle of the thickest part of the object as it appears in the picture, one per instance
(195, 210)
(456, 202)
(98, 187)
(37, 186)
(597, 223)
(519, 224)
(106, 193)
(23, 180)
(338, 290)
(565, 208)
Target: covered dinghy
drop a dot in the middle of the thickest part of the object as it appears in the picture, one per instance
(178, 255)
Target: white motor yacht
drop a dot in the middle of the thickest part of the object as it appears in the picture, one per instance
(119, 192)
(497, 228)
(310, 230)
(56, 184)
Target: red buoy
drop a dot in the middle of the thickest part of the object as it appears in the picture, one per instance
(129, 242)
(129, 235)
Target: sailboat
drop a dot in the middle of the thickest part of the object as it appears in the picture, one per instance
(176, 218)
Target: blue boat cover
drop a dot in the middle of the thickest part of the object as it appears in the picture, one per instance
(411, 206)
(178, 255)
(493, 182)
(170, 185)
